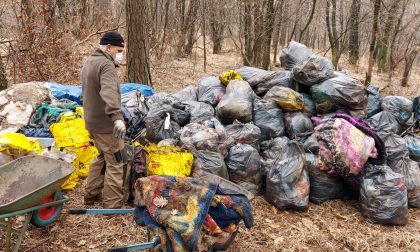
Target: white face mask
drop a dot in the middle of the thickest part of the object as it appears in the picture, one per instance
(119, 57)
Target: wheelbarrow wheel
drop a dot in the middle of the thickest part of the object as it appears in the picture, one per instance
(45, 216)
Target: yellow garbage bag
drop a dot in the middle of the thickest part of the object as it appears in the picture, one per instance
(228, 76)
(72, 181)
(16, 143)
(287, 99)
(168, 160)
(80, 111)
(85, 154)
(70, 131)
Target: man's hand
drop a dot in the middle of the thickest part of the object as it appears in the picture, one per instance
(119, 129)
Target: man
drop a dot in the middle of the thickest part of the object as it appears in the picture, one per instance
(104, 121)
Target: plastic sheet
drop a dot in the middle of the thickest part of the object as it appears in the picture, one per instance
(297, 124)
(236, 104)
(269, 118)
(287, 99)
(341, 91)
(244, 167)
(187, 94)
(210, 90)
(400, 107)
(144, 89)
(168, 161)
(323, 186)
(313, 71)
(383, 196)
(287, 181)
(294, 53)
(384, 122)
(374, 101)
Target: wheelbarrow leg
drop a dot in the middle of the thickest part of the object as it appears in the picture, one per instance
(23, 231)
(8, 234)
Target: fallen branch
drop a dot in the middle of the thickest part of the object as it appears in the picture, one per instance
(96, 33)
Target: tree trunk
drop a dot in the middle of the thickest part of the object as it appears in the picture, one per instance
(268, 28)
(354, 32)
(191, 20)
(409, 60)
(392, 62)
(309, 20)
(248, 32)
(384, 49)
(138, 69)
(277, 28)
(3, 79)
(332, 32)
(165, 26)
(217, 24)
(376, 7)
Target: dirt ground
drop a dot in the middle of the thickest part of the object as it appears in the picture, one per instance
(333, 226)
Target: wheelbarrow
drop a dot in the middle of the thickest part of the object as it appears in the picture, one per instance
(31, 186)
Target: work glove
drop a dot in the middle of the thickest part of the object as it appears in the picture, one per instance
(119, 129)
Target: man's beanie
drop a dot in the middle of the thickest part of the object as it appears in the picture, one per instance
(112, 38)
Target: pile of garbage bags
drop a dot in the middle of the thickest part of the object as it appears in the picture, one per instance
(258, 129)
(299, 134)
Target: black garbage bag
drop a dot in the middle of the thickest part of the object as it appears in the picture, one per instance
(200, 110)
(269, 118)
(236, 104)
(270, 150)
(163, 102)
(252, 75)
(309, 106)
(244, 167)
(341, 91)
(384, 122)
(287, 183)
(374, 101)
(297, 124)
(399, 161)
(200, 136)
(210, 90)
(277, 78)
(187, 94)
(313, 71)
(383, 196)
(311, 145)
(209, 161)
(240, 133)
(416, 108)
(323, 186)
(294, 53)
(400, 107)
(159, 126)
(412, 142)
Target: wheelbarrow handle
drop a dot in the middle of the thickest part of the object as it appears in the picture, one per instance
(132, 247)
(100, 211)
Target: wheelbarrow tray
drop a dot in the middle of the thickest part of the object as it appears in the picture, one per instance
(26, 181)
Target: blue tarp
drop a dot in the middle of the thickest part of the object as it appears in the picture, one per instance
(74, 93)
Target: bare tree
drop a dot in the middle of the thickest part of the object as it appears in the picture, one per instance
(138, 69)
(354, 32)
(217, 12)
(311, 16)
(332, 31)
(3, 79)
(268, 25)
(376, 9)
(409, 60)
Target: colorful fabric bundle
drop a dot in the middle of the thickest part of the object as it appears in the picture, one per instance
(176, 209)
(343, 149)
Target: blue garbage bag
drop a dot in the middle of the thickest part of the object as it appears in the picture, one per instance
(73, 93)
(144, 89)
